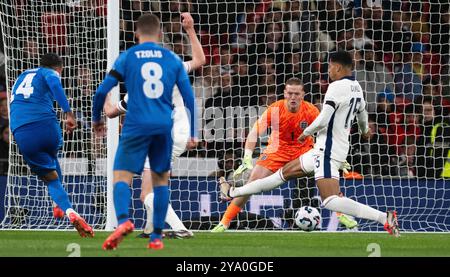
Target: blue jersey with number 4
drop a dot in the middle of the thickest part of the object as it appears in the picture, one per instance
(150, 73)
(32, 97)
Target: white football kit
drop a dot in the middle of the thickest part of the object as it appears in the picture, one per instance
(343, 100)
(180, 129)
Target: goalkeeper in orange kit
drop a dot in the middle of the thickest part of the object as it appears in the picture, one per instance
(287, 119)
(284, 158)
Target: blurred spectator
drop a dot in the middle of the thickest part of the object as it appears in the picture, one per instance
(434, 145)
(207, 82)
(4, 149)
(408, 83)
(385, 107)
(226, 165)
(4, 115)
(369, 157)
(372, 75)
(267, 96)
(30, 54)
(248, 87)
(226, 94)
(2, 72)
(226, 59)
(360, 39)
(440, 30)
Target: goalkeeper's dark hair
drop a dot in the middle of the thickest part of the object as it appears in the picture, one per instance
(51, 60)
(148, 24)
(343, 58)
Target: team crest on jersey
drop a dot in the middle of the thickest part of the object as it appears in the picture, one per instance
(263, 157)
(303, 125)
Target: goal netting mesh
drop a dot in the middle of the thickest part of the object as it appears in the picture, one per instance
(401, 52)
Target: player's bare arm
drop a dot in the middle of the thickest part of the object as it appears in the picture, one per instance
(198, 56)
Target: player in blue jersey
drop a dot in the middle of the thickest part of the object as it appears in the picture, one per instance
(180, 137)
(150, 73)
(37, 131)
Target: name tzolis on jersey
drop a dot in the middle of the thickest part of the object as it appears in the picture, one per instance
(348, 99)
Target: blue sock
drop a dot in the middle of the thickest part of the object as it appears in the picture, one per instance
(160, 205)
(58, 194)
(122, 197)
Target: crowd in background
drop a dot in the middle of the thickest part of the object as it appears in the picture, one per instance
(400, 49)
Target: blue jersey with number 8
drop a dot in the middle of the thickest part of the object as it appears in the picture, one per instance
(149, 72)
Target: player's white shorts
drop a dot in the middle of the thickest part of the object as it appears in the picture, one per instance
(180, 134)
(315, 162)
(307, 162)
(326, 167)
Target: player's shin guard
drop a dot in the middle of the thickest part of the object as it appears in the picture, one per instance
(160, 205)
(348, 206)
(260, 185)
(58, 194)
(122, 198)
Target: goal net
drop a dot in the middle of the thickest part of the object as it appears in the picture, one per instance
(401, 54)
(76, 30)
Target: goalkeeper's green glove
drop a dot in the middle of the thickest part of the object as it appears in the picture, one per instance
(247, 163)
(345, 167)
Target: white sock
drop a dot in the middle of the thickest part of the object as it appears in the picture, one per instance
(348, 206)
(69, 211)
(148, 204)
(260, 185)
(173, 220)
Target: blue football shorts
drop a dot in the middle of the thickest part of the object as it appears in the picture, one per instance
(133, 150)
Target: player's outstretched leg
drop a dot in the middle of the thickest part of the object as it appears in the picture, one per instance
(329, 190)
(117, 236)
(60, 197)
(80, 224)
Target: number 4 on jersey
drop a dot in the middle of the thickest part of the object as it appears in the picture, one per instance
(26, 87)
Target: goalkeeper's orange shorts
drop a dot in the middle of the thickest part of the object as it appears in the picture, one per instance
(276, 160)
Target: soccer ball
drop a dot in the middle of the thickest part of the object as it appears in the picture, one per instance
(307, 218)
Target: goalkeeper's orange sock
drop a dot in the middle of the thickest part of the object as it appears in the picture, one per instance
(230, 214)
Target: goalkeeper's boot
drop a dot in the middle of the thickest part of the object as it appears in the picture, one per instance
(80, 224)
(179, 234)
(117, 236)
(220, 228)
(348, 221)
(225, 188)
(58, 212)
(156, 244)
(391, 225)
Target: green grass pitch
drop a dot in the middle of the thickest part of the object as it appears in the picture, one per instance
(231, 244)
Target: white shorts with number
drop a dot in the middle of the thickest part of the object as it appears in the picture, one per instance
(180, 134)
(326, 167)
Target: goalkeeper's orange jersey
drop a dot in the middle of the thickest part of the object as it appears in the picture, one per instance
(286, 127)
